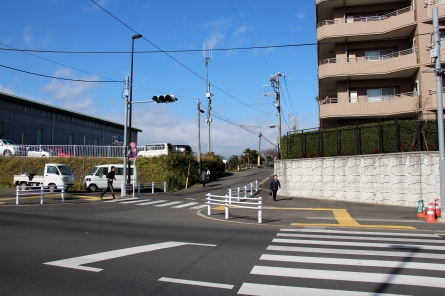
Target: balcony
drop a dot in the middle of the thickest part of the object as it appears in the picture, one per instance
(431, 104)
(366, 107)
(379, 65)
(425, 13)
(367, 26)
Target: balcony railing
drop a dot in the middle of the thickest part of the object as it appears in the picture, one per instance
(433, 91)
(366, 18)
(369, 58)
(364, 99)
(432, 2)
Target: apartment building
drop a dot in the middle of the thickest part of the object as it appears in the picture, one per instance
(372, 55)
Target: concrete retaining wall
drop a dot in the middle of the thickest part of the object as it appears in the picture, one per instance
(390, 179)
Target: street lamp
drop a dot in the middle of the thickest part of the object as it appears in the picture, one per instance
(137, 36)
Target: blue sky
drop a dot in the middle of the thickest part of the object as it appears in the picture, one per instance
(235, 75)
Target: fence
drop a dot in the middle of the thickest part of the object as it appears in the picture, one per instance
(224, 201)
(139, 186)
(36, 190)
(241, 192)
(381, 137)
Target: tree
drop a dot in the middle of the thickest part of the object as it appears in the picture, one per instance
(271, 153)
(233, 161)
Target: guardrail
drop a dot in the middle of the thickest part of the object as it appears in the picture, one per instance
(152, 185)
(224, 201)
(242, 192)
(37, 190)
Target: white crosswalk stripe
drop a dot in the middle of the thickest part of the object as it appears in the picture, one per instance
(159, 203)
(329, 262)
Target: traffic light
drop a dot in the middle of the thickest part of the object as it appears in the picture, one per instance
(164, 99)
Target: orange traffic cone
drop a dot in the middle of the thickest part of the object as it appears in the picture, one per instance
(422, 214)
(438, 212)
(431, 215)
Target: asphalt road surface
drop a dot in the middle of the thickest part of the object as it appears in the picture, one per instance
(160, 245)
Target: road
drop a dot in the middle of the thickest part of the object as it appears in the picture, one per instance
(166, 248)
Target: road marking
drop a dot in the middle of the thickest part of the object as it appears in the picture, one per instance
(356, 252)
(267, 290)
(168, 204)
(354, 262)
(185, 205)
(121, 199)
(360, 232)
(357, 244)
(199, 207)
(364, 238)
(196, 283)
(77, 262)
(150, 202)
(364, 219)
(337, 275)
(134, 201)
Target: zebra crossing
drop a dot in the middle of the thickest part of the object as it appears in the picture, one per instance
(341, 262)
(159, 203)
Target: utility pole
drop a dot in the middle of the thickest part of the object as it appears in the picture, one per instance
(125, 129)
(435, 53)
(199, 136)
(208, 94)
(259, 149)
(275, 84)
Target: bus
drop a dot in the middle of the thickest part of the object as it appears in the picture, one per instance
(151, 150)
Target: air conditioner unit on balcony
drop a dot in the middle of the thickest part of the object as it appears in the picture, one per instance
(350, 19)
(353, 96)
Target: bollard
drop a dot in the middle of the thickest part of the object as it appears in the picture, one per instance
(17, 196)
(122, 190)
(139, 189)
(260, 211)
(245, 192)
(165, 186)
(238, 193)
(209, 206)
(63, 194)
(152, 187)
(256, 185)
(226, 203)
(230, 196)
(42, 194)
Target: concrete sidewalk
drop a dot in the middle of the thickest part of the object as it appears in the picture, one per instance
(318, 213)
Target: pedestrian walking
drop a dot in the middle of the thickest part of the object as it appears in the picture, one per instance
(208, 175)
(203, 178)
(110, 177)
(274, 185)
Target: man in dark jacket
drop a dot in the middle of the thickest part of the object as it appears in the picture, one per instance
(274, 185)
(110, 177)
(203, 178)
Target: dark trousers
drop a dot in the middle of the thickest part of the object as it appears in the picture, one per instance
(274, 194)
(109, 186)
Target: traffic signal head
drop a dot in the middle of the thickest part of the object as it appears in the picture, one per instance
(164, 99)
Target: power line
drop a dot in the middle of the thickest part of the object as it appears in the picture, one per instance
(245, 27)
(190, 70)
(287, 89)
(61, 78)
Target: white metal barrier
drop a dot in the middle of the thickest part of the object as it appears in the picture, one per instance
(37, 190)
(139, 186)
(225, 201)
(242, 192)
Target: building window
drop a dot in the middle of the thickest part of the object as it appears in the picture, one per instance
(39, 136)
(1, 129)
(376, 55)
(70, 139)
(380, 94)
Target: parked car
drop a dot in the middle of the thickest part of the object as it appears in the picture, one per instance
(184, 149)
(59, 152)
(8, 148)
(39, 152)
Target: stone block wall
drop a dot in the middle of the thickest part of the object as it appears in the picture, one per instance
(389, 179)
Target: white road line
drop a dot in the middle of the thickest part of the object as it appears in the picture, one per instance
(150, 202)
(392, 234)
(121, 199)
(199, 207)
(269, 290)
(196, 283)
(364, 238)
(134, 201)
(357, 244)
(354, 262)
(336, 275)
(357, 252)
(76, 262)
(168, 204)
(364, 219)
(185, 205)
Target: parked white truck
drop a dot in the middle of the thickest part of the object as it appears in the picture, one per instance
(55, 176)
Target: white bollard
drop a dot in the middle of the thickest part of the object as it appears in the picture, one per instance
(226, 203)
(245, 192)
(63, 194)
(122, 190)
(230, 196)
(42, 194)
(238, 193)
(152, 187)
(209, 206)
(165, 186)
(139, 189)
(260, 211)
(256, 185)
(17, 196)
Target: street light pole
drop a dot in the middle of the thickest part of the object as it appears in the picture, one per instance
(137, 36)
(259, 149)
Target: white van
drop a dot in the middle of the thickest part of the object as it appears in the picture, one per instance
(97, 178)
(151, 150)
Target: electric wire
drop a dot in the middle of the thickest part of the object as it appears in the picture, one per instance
(288, 95)
(190, 70)
(245, 27)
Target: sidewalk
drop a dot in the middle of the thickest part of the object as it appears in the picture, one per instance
(318, 213)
